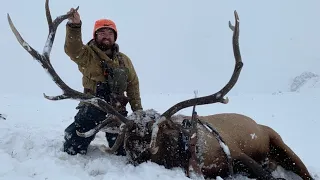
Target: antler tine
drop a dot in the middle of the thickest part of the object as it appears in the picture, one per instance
(44, 60)
(219, 96)
(235, 39)
(96, 129)
(53, 25)
(23, 43)
(48, 15)
(117, 143)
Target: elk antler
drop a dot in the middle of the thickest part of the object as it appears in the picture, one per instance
(213, 98)
(219, 96)
(44, 60)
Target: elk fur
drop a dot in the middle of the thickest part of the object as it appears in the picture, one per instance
(250, 144)
(247, 141)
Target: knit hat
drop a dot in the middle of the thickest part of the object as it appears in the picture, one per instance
(105, 23)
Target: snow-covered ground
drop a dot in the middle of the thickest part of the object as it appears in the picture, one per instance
(31, 137)
(279, 84)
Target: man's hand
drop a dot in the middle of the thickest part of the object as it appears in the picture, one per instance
(75, 18)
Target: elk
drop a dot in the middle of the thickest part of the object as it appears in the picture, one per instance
(223, 143)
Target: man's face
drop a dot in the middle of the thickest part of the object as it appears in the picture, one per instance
(105, 38)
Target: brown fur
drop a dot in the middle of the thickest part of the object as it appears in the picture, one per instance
(247, 141)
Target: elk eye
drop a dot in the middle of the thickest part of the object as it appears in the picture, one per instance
(152, 117)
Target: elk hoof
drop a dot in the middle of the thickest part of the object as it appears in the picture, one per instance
(154, 150)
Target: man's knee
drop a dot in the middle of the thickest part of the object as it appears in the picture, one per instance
(86, 119)
(75, 144)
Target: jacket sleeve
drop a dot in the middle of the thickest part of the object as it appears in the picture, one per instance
(133, 90)
(74, 47)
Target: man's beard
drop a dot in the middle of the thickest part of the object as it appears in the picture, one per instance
(104, 46)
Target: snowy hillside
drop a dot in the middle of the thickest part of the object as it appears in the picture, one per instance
(279, 85)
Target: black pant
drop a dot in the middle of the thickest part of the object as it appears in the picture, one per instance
(87, 118)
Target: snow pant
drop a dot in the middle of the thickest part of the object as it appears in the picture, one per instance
(87, 118)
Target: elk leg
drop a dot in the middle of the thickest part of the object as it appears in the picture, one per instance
(254, 168)
(285, 157)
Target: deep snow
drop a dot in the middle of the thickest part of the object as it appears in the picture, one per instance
(279, 84)
(31, 137)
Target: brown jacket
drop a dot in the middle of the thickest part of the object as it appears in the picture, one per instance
(88, 58)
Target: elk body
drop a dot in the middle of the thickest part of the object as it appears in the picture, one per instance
(163, 138)
(250, 144)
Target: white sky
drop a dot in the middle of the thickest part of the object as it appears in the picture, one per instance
(176, 46)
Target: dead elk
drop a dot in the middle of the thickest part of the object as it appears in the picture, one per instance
(250, 144)
(167, 141)
(159, 139)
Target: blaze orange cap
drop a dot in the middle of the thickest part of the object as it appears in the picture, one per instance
(105, 23)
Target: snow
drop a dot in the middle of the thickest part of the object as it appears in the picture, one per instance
(279, 84)
(31, 138)
(47, 47)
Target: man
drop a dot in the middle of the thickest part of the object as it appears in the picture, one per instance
(107, 73)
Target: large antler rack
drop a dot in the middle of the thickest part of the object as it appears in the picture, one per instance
(218, 96)
(210, 99)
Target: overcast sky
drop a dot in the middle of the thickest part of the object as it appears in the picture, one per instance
(176, 46)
